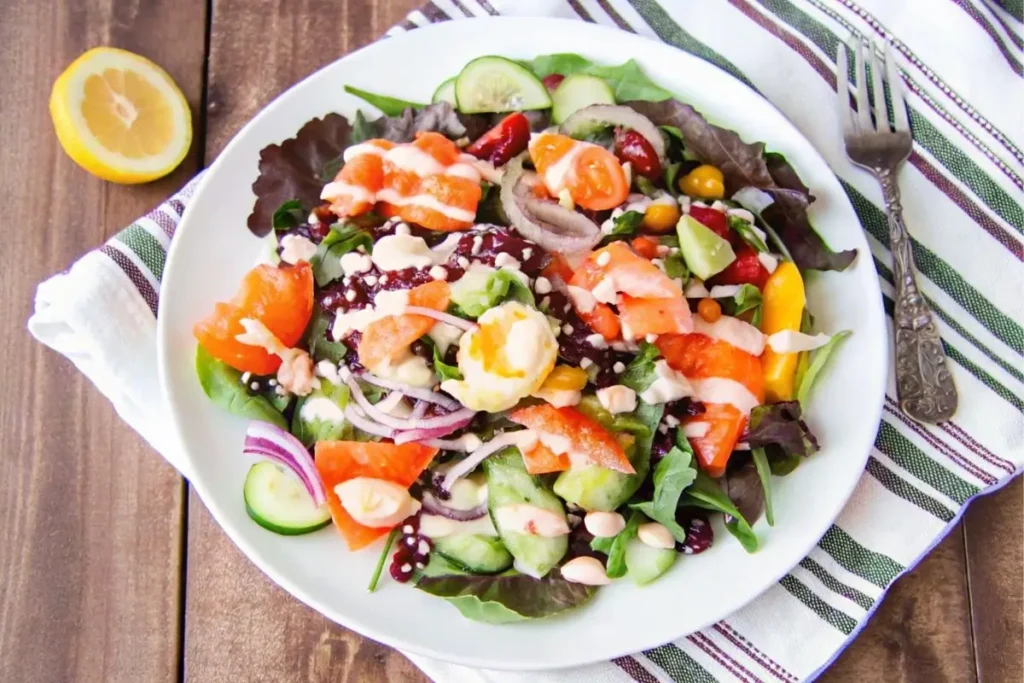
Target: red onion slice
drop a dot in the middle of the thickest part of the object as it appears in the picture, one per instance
(599, 116)
(419, 410)
(454, 418)
(522, 439)
(452, 320)
(558, 229)
(411, 391)
(422, 434)
(435, 507)
(270, 441)
(359, 420)
(445, 444)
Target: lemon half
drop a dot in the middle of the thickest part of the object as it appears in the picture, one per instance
(120, 116)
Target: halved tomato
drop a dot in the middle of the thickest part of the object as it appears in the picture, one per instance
(387, 339)
(596, 180)
(280, 298)
(584, 436)
(339, 461)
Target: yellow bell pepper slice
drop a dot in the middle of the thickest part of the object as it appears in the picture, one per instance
(783, 307)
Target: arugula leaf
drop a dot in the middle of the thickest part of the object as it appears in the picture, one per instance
(391, 106)
(780, 424)
(625, 226)
(342, 238)
(288, 215)
(746, 232)
(764, 473)
(382, 559)
(748, 298)
(507, 597)
(818, 359)
(441, 369)
(615, 546)
(222, 384)
(639, 374)
(627, 81)
(705, 493)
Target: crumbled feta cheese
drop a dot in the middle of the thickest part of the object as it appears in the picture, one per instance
(619, 367)
(478, 243)
(567, 328)
(617, 399)
(350, 295)
(769, 262)
(542, 285)
(295, 248)
(439, 273)
(672, 421)
(695, 289)
(463, 262)
(527, 253)
(724, 291)
(504, 260)
(604, 259)
(582, 299)
(370, 280)
(597, 341)
(586, 363)
(604, 291)
(354, 262)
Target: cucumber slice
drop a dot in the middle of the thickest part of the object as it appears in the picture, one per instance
(578, 91)
(705, 252)
(445, 92)
(474, 553)
(496, 84)
(645, 563)
(278, 502)
(508, 483)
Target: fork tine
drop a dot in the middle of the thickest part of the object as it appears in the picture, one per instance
(899, 97)
(843, 90)
(863, 103)
(881, 108)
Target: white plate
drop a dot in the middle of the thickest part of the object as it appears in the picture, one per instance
(213, 249)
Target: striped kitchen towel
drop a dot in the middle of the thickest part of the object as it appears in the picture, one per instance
(962, 191)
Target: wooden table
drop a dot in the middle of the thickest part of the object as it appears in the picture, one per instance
(110, 567)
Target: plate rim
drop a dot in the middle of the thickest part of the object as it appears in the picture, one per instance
(166, 381)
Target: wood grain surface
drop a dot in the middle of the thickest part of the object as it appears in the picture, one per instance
(110, 570)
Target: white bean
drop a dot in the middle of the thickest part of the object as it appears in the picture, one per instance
(586, 570)
(604, 524)
(655, 535)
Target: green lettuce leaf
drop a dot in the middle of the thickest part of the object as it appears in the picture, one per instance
(507, 597)
(222, 384)
(480, 290)
(746, 232)
(627, 81)
(320, 347)
(288, 215)
(764, 473)
(673, 474)
(639, 374)
(748, 298)
(342, 238)
(311, 431)
(441, 369)
(615, 546)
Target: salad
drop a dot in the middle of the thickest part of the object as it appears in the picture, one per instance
(525, 340)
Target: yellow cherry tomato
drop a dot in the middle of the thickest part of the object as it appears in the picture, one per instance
(565, 378)
(703, 182)
(661, 217)
(783, 300)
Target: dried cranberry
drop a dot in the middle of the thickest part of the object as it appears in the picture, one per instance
(662, 444)
(746, 269)
(504, 141)
(714, 219)
(699, 534)
(685, 407)
(401, 571)
(634, 148)
(437, 488)
(552, 81)
(421, 551)
(483, 246)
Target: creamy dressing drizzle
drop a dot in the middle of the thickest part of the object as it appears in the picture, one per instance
(427, 202)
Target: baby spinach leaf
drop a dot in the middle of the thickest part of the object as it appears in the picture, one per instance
(673, 474)
(472, 296)
(627, 81)
(615, 546)
(675, 267)
(780, 463)
(671, 174)
(819, 357)
(390, 106)
(625, 226)
(764, 473)
(288, 215)
(319, 345)
(639, 374)
(223, 385)
(309, 431)
(342, 238)
(780, 424)
(507, 597)
(705, 493)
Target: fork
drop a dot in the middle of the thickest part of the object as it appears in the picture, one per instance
(924, 385)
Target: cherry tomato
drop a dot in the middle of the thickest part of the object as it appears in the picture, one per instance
(637, 150)
(504, 141)
(716, 220)
(552, 81)
(599, 182)
(746, 269)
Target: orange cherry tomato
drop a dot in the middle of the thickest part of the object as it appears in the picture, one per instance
(599, 182)
(280, 298)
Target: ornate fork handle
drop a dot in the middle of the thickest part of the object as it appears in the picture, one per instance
(923, 384)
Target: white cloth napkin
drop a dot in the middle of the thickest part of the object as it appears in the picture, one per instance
(962, 191)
